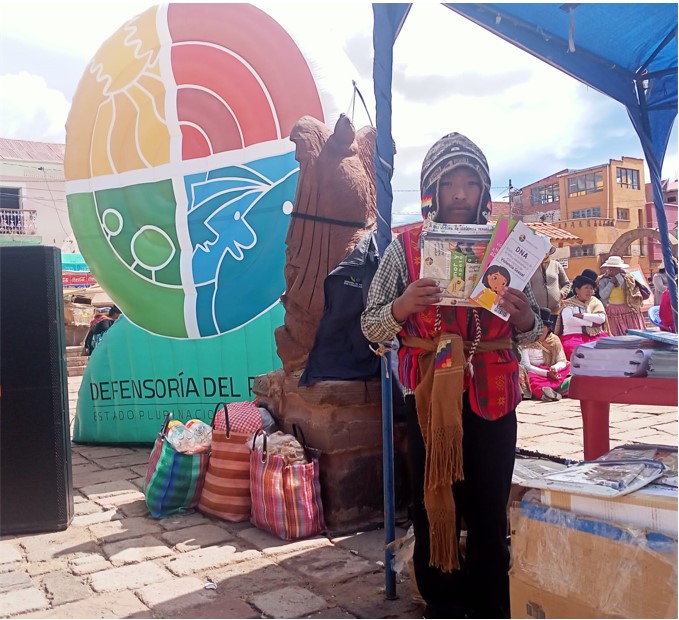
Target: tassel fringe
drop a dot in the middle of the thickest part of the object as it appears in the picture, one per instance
(443, 463)
(443, 543)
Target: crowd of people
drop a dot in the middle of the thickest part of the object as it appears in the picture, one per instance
(590, 307)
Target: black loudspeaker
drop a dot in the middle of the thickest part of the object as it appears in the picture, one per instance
(36, 483)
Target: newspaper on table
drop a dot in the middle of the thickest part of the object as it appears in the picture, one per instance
(604, 477)
(513, 266)
(451, 254)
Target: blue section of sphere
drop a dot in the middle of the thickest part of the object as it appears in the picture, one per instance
(237, 226)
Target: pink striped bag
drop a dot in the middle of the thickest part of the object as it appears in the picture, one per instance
(286, 499)
(226, 491)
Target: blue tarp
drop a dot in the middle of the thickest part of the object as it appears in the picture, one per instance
(626, 51)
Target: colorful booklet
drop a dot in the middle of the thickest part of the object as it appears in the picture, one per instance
(512, 266)
(452, 254)
(503, 227)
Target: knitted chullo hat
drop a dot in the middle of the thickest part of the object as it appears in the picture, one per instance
(450, 152)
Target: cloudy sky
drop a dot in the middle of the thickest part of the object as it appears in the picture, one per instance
(449, 75)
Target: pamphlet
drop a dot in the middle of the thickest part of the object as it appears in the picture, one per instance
(451, 254)
(513, 266)
(503, 227)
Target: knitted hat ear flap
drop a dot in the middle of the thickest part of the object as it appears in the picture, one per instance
(485, 208)
(428, 204)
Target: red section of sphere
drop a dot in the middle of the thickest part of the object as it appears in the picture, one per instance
(238, 72)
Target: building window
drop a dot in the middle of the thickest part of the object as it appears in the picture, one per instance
(585, 213)
(11, 221)
(544, 194)
(672, 199)
(585, 184)
(627, 177)
(10, 198)
(623, 214)
(582, 250)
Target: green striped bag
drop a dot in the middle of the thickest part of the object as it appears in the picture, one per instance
(174, 481)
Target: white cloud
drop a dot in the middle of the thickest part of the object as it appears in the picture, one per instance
(450, 75)
(71, 27)
(29, 109)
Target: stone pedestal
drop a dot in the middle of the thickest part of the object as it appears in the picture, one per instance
(343, 419)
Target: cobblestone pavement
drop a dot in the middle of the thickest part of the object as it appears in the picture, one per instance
(115, 561)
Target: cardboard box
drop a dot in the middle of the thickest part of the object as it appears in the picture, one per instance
(531, 601)
(566, 565)
(648, 510)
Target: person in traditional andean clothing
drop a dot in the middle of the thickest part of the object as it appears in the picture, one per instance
(461, 380)
(622, 297)
(545, 372)
(583, 318)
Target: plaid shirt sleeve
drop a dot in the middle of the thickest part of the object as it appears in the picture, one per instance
(390, 280)
(523, 338)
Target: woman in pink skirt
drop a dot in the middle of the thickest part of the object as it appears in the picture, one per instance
(544, 372)
(622, 297)
(582, 318)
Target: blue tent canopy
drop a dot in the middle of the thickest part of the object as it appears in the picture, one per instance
(626, 51)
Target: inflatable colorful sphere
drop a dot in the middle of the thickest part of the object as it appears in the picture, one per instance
(179, 168)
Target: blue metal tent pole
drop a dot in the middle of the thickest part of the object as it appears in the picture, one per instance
(387, 22)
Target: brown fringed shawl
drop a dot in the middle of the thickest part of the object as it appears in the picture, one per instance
(438, 398)
(593, 307)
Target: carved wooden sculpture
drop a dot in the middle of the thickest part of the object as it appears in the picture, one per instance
(335, 205)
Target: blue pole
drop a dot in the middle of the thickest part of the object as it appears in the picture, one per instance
(387, 22)
(388, 475)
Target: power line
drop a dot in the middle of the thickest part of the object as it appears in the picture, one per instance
(56, 210)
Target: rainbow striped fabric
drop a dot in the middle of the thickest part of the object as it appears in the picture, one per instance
(174, 481)
(286, 499)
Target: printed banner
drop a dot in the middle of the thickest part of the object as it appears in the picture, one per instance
(134, 378)
(77, 279)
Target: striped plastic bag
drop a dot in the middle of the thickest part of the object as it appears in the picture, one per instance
(174, 480)
(286, 499)
(226, 492)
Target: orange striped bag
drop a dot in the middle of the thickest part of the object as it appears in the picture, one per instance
(286, 498)
(226, 491)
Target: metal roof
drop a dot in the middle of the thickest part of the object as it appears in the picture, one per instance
(25, 150)
(562, 237)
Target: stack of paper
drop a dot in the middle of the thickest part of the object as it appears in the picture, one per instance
(666, 338)
(590, 359)
(630, 341)
(662, 364)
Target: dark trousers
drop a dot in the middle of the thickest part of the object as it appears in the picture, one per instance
(480, 588)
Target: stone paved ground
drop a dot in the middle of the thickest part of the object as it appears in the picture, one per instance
(115, 561)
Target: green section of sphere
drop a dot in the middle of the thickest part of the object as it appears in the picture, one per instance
(127, 254)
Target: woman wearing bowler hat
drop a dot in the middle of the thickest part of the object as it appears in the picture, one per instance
(583, 318)
(621, 296)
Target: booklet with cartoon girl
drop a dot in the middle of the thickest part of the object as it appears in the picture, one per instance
(512, 266)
